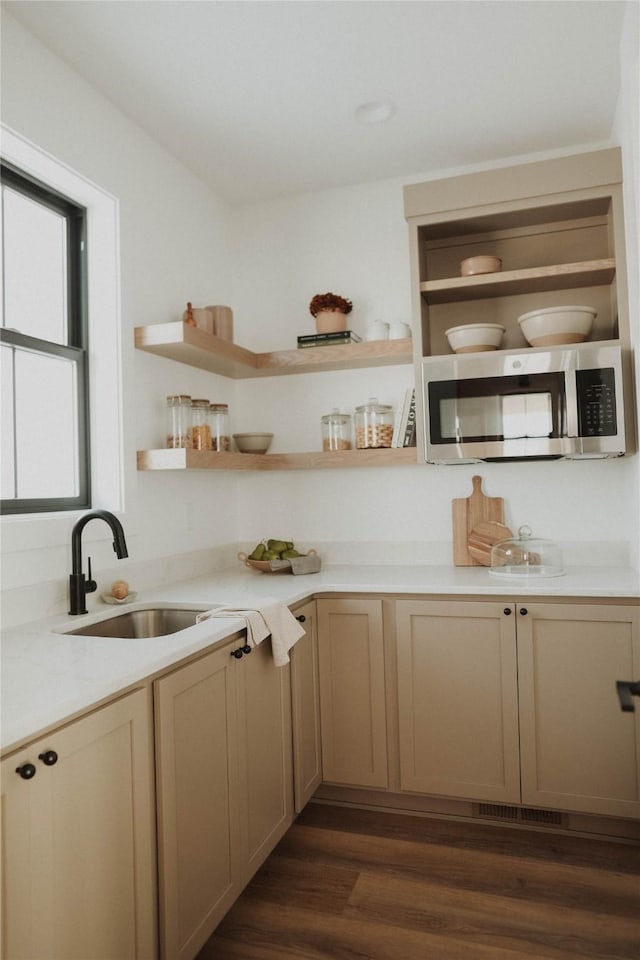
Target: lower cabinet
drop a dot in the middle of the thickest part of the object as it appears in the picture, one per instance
(457, 700)
(517, 703)
(352, 692)
(305, 706)
(224, 780)
(78, 840)
(579, 751)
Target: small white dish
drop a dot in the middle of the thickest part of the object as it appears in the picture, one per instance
(108, 598)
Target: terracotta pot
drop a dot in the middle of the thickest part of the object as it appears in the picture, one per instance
(331, 321)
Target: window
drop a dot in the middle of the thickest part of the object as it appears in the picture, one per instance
(43, 349)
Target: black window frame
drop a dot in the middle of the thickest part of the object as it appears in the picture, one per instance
(77, 347)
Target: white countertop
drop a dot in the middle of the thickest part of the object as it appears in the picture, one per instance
(48, 677)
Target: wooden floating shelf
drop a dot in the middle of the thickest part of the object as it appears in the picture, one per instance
(588, 273)
(316, 460)
(186, 344)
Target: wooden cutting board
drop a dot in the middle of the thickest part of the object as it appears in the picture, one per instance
(483, 537)
(467, 513)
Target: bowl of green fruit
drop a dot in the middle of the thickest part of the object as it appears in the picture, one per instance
(276, 556)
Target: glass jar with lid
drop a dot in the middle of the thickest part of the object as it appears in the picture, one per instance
(219, 426)
(178, 420)
(374, 425)
(336, 430)
(200, 429)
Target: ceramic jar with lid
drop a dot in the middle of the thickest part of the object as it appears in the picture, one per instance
(374, 425)
(336, 431)
(178, 421)
(219, 426)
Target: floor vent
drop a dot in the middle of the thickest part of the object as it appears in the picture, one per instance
(497, 811)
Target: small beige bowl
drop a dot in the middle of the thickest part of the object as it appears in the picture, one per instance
(475, 337)
(484, 264)
(557, 325)
(253, 442)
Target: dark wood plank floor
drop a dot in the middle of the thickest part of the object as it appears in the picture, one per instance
(359, 885)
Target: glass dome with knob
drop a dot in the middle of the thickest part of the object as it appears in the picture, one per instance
(526, 556)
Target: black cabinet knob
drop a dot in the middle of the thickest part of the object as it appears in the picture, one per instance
(49, 757)
(246, 648)
(238, 654)
(523, 611)
(507, 611)
(27, 771)
(301, 618)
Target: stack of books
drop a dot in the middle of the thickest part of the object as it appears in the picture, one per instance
(404, 431)
(325, 339)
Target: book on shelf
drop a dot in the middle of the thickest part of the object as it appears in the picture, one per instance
(324, 339)
(405, 420)
(409, 438)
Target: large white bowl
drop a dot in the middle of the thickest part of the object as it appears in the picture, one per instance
(253, 442)
(472, 337)
(554, 325)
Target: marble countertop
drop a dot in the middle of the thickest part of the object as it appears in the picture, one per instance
(48, 677)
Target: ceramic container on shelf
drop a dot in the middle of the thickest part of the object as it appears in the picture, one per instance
(331, 321)
(475, 337)
(480, 264)
(557, 325)
(398, 330)
(377, 330)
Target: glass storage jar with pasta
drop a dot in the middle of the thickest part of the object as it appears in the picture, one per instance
(374, 425)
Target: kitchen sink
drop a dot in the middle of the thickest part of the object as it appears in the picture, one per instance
(142, 624)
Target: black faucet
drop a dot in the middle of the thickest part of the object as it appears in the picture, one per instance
(79, 587)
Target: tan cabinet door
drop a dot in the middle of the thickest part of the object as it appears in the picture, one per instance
(457, 694)
(579, 750)
(352, 692)
(198, 800)
(305, 706)
(266, 769)
(78, 841)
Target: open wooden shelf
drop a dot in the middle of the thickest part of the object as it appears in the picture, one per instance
(315, 460)
(562, 276)
(187, 344)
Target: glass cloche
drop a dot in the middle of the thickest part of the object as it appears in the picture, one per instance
(526, 556)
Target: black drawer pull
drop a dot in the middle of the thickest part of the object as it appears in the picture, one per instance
(238, 654)
(49, 757)
(27, 771)
(301, 618)
(246, 648)
(523, 611)
(507, 611)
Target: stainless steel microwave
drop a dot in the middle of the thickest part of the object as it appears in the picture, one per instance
(515, 405)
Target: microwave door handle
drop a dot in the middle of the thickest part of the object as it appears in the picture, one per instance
(572, 402)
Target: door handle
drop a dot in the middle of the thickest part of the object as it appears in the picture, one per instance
(627, 690)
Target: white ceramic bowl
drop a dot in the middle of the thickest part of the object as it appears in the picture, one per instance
(482, 264)
(253, 442)
(472, 337)
(553, 325)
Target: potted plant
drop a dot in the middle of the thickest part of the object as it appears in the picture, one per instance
(330, 312)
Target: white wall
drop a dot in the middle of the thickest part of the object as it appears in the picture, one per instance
(179, 242)
(174, 247)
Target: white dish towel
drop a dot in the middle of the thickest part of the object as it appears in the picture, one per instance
(270, 618)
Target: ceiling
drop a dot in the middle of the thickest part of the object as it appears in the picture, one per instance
(258, 97)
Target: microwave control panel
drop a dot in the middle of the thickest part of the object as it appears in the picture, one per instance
(596, 391)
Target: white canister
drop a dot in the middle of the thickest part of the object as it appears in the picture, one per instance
(377, 330)
(399, 330)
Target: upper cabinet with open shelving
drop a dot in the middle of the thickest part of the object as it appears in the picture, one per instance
(557, 227)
